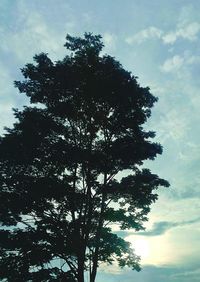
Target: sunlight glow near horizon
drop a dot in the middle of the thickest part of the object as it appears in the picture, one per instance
(141, 247)
(152, 250)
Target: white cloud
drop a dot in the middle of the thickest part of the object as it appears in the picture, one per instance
(169, 38)
(173, 126)
(113, 269)
(188, 26)
(149, 33)
(34, 33)
(188, 31)
(184, 30)
(193, 60)
(109, 40)
(181, 65)
(35, 37)
(172, 64)
(188, 274)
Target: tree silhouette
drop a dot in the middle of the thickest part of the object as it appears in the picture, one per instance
(71, 167)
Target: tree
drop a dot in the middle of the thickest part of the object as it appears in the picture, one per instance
(71, 167)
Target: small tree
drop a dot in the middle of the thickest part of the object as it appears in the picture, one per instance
(61, 167)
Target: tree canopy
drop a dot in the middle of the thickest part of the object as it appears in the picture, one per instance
(72, 167)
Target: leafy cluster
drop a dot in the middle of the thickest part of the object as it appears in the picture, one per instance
(61, 189)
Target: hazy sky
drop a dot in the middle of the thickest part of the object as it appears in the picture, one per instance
(159, 42)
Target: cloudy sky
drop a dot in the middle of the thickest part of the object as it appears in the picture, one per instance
(159, 42)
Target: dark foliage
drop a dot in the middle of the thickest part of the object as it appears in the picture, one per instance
(60, 166)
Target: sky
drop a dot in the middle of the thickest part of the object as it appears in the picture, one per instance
(158, 41)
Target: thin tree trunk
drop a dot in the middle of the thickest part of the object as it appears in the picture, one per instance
(98, 237)
(81, 268)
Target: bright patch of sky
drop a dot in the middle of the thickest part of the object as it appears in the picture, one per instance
(159, 42)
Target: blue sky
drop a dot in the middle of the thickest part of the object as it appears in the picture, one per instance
(159, 42)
